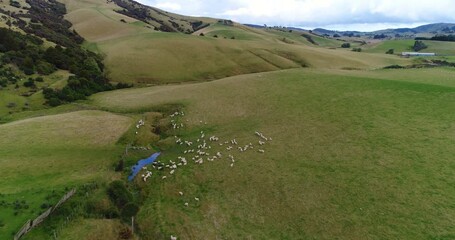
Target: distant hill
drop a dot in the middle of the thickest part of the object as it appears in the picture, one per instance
(429, 29)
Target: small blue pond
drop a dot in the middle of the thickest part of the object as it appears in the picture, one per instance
(142, 163)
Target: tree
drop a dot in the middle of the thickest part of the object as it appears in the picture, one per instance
(419, 45)
(356, 49)
(346, 45)
(27, 66)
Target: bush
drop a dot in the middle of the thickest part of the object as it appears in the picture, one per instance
(394, 67)
(215, 36)
(346, 45)
(11, 105)
(53, 102)
(390, 51)
(45, 68)
(125, 233)
(120, 166)
(419, 45)
(356, 49)
(30, 83)
(119, 194)
(201, 34)
(129, 210)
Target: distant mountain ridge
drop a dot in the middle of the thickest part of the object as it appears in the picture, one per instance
(434, 28)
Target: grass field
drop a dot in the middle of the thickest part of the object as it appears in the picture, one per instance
(438, 47)
(358, 151)
(352, 157)
(45, 154)
(136, 54)
(158, 58)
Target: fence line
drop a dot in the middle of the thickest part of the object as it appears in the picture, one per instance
(29, 225)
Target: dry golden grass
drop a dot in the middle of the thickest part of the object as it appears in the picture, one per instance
(96, 20)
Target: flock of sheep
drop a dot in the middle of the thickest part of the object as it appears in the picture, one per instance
(199, 151)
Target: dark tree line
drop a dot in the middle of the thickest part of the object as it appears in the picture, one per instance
(443, 38)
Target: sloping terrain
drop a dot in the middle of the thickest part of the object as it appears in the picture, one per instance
(354, 155)
(135, 53)
(43, 155)
(352, 150)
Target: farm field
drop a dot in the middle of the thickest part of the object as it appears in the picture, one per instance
(263, 133)
(50, 153)
(351, 156)
(438, 47)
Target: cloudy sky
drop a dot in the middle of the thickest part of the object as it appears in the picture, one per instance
(335, 14)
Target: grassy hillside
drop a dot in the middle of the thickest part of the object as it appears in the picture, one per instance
(358, 152)
(163, 57)
(441, 48)
(137, 54)
(354, 157)
(47, 154)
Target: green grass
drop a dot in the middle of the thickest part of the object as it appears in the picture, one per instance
(358, 152)
(351, 157)
(438, 47)
(42, 154)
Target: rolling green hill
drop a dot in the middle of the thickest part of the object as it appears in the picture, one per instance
(352, 156)
(350, 150)
(137, 54)
(438, 47)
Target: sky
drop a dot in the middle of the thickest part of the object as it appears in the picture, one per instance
(362, 15)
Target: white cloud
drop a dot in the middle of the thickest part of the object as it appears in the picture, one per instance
(315, 13)
(169, 6)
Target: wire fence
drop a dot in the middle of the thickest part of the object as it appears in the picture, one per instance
(30, 224)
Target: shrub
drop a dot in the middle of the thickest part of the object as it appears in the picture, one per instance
(393, 67)
(119, 194)
(419, 45)
(53, 102)
(356, 49)
(390, 51)
(45, 68)
(346, 45)
(120, 166)
(201, 34)
(11, 105)
(30, 83)
(125, 233)
(215, 36)
(129, 210)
